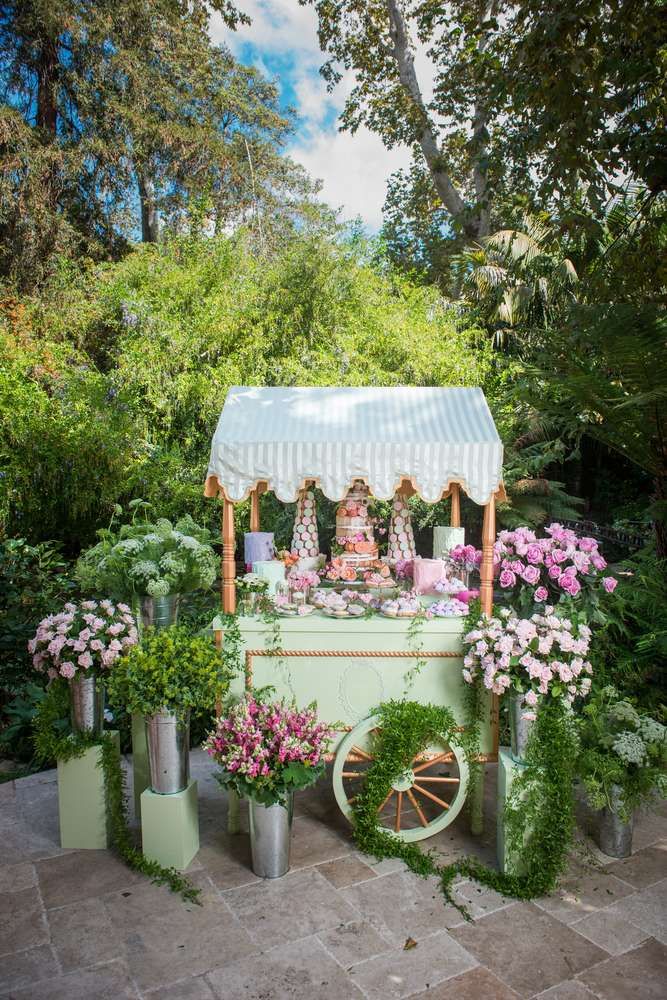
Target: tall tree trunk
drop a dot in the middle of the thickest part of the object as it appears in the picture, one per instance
(47, 90)
(150, 223)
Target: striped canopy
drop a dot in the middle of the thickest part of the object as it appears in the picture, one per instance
(284, 437)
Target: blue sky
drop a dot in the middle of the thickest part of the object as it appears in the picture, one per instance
(282, 42)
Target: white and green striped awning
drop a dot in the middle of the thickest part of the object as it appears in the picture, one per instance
(285, 436)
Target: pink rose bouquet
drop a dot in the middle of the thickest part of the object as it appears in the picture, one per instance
(558, 567)
(538, 656)
(301, 580)
(89, 637)
(268, 749)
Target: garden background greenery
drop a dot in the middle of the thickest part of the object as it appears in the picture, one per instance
(157, 245)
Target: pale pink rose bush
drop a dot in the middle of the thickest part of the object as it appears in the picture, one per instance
(542, 655)
(85, 637)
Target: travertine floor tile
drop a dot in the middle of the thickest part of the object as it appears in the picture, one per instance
(401, 972)
(354, 942)
(82, 934)
(478, 984)
(24, 967)
(301, 970)
(640, 974)
(647, 910)
(103, 982)
(586, 893)
(346, 871)
(609, 930)
(644, 868)
(22, 921)
(195, 988)
(527, 949)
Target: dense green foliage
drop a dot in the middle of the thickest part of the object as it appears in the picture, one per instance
(113, 380)
(620, 748)
(539, 814)
(169, 669)
(34, 581)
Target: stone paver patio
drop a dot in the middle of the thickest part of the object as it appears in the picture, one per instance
(78, 925)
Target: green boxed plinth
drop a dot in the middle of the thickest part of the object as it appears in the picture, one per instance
(82, 804)
(170, 827)
(141, 778)
(508, 772)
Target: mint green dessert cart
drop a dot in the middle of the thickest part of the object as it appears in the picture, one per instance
(431, 441)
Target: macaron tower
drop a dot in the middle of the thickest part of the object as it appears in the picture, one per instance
(354, 532)
(401, 544)
(305, 541)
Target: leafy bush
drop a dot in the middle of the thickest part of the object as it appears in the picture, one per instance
(33, 583)
(171, 669)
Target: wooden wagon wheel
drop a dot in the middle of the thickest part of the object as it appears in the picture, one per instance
(422, 801)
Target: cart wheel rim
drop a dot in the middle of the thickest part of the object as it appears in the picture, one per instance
(425, 801)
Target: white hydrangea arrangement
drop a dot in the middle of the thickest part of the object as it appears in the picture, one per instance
(621, 747)
(152, 559)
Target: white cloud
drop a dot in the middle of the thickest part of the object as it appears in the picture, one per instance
(353, 168)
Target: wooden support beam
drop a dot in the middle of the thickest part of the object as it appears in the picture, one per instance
(254, 509)
(486, 569)
(228, 558)
(455, 520)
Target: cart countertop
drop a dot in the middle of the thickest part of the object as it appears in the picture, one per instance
(320, 623)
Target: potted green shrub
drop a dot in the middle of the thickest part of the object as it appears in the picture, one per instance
(167, 674)
(621, 764)
(150, 564)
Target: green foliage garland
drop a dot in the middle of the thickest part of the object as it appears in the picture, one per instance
(539, 814)
(54, 741)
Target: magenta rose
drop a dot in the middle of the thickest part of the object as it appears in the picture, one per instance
(609, 583)
(541, 594)
(507, 578)
(559, 555)
(534, 554)
(554, 572)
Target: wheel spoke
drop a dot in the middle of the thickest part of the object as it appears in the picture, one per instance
(434, 760)
(362, 753)
(352, 774)
(429, 795)
(380, 808)
(448, 781)
(399, 803)
(417, 807)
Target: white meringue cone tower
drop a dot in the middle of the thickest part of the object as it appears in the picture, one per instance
(305, 541)
(401, 544)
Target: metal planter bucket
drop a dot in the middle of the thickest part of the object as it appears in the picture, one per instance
(614, 833)
(159, 612)
(270, 836)
(168, 741)
(519, 727)
(86, 694)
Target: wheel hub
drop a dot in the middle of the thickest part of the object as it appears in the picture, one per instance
(404, 781)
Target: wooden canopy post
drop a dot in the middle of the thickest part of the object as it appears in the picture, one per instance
(228, 557)
(486, 569)
(455, 519)
(254, 509)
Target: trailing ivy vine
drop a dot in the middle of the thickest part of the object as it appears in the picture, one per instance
(54, 741)
(539, 814)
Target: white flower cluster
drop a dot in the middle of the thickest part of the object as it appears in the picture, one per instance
(630, 747)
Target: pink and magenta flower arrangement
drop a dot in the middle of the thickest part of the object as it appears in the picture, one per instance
(537, 656)
(302, 580)
(560, 566)
(83, 638)
(531, 570)
(268, 749)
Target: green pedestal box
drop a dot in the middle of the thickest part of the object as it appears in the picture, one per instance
(508, 771)
(170, 827)
(82, 805)
(141, 778)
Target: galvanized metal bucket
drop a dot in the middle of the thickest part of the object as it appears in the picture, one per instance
(87, 704)
(614, 833)
(270, 837)
(168, 741)
(159, 612)
(519, 726)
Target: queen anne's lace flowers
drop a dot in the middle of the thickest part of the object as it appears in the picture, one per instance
(543, 654)
(86, 637)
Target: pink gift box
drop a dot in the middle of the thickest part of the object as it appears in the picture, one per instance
(427, 572)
